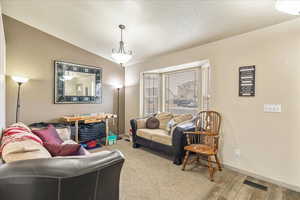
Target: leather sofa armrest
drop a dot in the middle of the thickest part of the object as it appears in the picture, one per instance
(59, 177)
(59, 167)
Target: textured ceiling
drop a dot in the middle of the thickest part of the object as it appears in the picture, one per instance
(154, 27)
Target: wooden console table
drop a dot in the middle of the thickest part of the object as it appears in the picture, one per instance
(90, 118)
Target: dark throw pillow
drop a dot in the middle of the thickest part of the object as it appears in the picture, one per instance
(48, 135)
(152, 123)
(62, 149)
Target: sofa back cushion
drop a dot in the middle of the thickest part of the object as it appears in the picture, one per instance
(48, 135)
(164, 119)
(182, 118)
(64, 133)
(152, 123)
(141, 123)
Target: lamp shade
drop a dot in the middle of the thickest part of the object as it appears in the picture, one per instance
(121, 57)
(291, 7)
(19, 79)
(119, 86)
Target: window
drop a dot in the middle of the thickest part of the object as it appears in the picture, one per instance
(181, 92)
(151, 93)
(177, 92)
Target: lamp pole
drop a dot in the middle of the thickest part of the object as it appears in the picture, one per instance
(18, 102)
(19, 80)
(118, 111)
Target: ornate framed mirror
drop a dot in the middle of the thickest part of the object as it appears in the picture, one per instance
(77, 84)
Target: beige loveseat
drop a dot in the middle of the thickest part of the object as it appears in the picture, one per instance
(167, 124)
(163, 138)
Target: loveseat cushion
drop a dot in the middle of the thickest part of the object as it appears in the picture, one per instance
(156, 135)
(141, 123)
(182, 118)
(164, 118)
(145, 133)
(162, 137)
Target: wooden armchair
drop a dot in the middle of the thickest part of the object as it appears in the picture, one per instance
(205, 141)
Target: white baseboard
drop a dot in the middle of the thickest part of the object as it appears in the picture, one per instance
(263, 178)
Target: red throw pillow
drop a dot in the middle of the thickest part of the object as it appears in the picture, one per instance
(62, 149)
(49, 135)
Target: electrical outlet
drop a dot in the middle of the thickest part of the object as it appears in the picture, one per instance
(237, 153)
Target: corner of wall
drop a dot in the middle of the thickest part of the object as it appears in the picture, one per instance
(2, 74)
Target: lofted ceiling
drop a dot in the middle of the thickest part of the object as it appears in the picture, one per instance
(154, 27)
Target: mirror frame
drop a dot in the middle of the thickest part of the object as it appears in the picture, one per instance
(59, 85)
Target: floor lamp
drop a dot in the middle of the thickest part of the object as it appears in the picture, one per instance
(118, 109)
(19, 81)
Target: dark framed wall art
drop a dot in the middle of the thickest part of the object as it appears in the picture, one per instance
(247, 81)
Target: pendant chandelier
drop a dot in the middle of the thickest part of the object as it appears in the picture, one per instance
(120, 55)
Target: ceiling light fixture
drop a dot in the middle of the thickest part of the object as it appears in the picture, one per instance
(291, 7)
(121, 56)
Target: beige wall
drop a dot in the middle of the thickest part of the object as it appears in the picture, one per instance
(268, 142)
(31, 53)
(2, 75)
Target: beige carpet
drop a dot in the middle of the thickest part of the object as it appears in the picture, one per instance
(150, 176)
(147, 175)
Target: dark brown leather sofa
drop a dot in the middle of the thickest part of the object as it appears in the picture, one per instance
(92, 177)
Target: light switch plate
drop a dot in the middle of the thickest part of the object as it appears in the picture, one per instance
(274, 108)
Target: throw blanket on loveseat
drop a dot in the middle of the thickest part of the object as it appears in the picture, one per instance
(16, 133)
